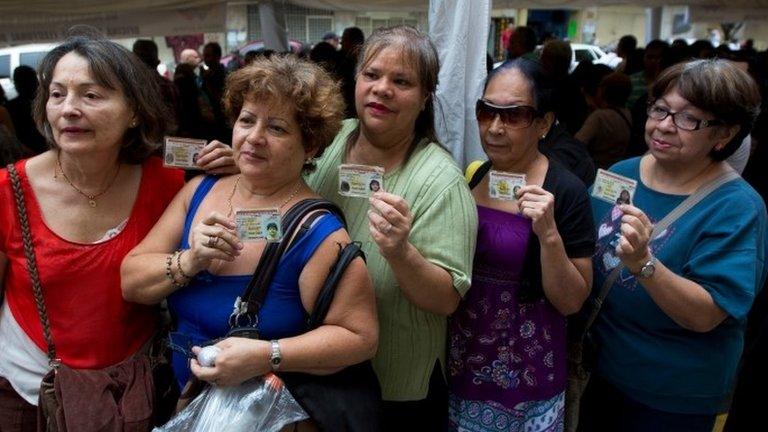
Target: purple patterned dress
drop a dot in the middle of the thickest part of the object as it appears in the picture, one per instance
(507, 360)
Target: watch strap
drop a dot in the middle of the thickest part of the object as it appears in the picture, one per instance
(276, 357)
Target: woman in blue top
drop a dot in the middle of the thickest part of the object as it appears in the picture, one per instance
(670, 332)
(284, 112)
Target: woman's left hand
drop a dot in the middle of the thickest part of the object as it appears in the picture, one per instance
(217, 158)
(636, 230)
(389, 222)
(538, 205)
(239, 360)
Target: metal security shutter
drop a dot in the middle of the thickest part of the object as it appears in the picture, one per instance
(317, 27)
(254, 24)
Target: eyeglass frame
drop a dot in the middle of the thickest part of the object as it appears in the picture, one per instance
(484, 103)
(699, 122)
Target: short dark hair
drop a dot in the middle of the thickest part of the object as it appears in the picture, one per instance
(615, 89)
(315, 96)
(116, 68)
(25, 80)
(542, 88)
(146, 50)
(214, 47)
(354, 35)
(718, 87)
(627, 44)
(525, 37)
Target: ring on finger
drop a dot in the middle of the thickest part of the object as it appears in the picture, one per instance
(386, 228)
(213, 241)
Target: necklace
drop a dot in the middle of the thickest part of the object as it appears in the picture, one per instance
(91, 198)
(237, 182)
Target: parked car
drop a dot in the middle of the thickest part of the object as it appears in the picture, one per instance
(13, 57)
(581, 52)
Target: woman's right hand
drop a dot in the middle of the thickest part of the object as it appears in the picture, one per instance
(213, 238)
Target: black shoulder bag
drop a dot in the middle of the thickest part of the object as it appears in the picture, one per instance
(348, 400)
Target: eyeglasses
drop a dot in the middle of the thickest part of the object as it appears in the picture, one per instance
(513, 116)
(682, 120)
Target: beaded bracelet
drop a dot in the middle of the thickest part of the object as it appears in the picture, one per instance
(179, 253)
(169, 274)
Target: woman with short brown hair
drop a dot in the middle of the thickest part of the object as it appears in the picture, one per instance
(671, 330)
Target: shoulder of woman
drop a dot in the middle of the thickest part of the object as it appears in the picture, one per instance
(738, 195)
(560, 180)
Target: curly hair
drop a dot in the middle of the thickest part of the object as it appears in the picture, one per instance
(315, 96)
(114, 67)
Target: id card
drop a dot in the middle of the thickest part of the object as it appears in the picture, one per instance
(182, 152)
(504, 186)
(614, 188)
(360, 180)
(259, 224)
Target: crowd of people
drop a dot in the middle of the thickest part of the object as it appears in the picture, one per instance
(464, 302)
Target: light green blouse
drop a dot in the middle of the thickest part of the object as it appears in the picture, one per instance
(444, 230)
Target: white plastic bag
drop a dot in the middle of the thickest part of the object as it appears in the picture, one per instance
(260, 404)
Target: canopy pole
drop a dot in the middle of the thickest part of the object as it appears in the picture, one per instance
(652, 23)
(273, 31)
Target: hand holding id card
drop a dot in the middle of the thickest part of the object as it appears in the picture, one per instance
(182, 152)
(360, 180)
(614, 188)
(259, 224)
(504, 186)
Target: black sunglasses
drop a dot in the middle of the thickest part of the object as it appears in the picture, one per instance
(514, 116)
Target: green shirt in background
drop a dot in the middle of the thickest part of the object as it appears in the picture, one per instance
(444, 230)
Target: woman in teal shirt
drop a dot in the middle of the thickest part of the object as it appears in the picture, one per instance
(671, 330)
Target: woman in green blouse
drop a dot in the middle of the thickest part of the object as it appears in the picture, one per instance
(418, 230)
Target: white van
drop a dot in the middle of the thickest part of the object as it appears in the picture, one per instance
(13, 57)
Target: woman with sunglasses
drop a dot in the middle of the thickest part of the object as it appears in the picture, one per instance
(532, 268)
(670, 332)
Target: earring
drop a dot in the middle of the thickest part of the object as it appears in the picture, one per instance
(543, 136)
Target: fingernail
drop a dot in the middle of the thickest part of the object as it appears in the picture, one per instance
(240, 245)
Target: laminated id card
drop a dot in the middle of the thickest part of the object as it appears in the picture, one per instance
(258, 224)
(504, 186)
(614, 188)
(182, 152)
(360, 180)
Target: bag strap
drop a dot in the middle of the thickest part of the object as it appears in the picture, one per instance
(479, 171)
(248, 304)
(327, 292)
(34, 276)
(687, 204)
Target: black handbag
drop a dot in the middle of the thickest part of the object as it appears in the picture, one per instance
(348, 400)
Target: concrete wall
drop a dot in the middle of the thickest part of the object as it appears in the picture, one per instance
(613, 22)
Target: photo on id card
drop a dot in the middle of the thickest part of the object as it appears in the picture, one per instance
(182, 152)
(614, 188)
(258, 224)
(504, 186)
(360, 180)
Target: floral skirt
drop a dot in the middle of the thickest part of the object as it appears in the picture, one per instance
(488, 416)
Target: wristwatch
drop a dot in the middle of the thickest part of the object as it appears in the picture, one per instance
(276, 357)
(647, 270)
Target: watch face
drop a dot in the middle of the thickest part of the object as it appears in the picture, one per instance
(647, 270)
